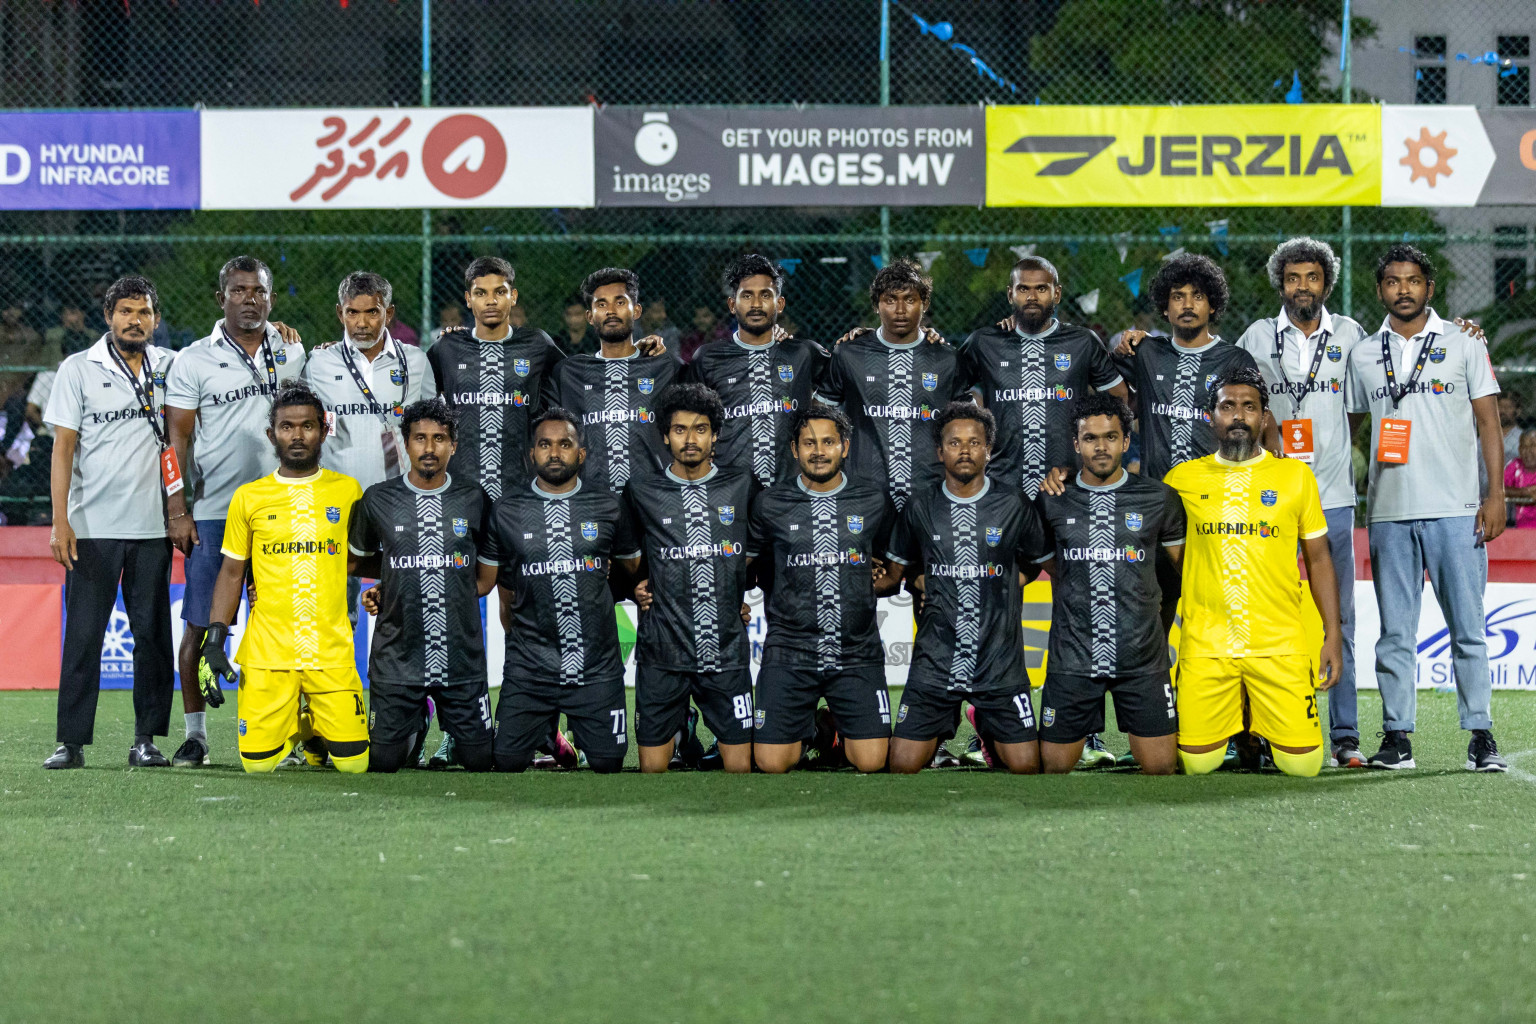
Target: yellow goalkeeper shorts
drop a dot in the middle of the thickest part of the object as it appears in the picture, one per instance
(1281, 694)
(269, 707)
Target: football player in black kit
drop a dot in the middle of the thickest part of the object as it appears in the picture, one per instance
(762, 379)
(1106, 637)
(422, 536)
(814, 540)
(555, 542)
(614, 391)
(691, 521)
(969, 538)
(496, 376)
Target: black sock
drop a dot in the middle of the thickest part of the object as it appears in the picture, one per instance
(142, 737)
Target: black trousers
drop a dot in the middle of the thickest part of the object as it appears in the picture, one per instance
(90, 594)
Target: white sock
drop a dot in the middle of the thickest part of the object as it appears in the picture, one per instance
(197, 725)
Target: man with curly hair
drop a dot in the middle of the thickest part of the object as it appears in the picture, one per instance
(1171, 378)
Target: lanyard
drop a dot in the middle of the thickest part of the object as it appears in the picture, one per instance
(144, 393)
(1398, 394)
(362, 385)
(1317, 361)
(250, 364)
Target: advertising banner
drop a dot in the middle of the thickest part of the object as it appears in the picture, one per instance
(815, 156)
(396, 158)
(1275, 155)
(32, 617)
(99, 160)
(1434, 156)
(1512, 136)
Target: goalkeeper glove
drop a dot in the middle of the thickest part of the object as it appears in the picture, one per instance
(213, 666)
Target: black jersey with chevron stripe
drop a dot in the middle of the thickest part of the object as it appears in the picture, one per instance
(428, 631)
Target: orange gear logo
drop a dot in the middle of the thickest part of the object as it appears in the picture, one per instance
(1414, 161)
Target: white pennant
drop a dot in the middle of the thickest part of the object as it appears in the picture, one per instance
(1122, 243)
(1089, 303)
(1022, 251)
(927, 258)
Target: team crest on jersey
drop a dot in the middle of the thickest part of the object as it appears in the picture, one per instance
(332, 514)
(396, 377)
(158, 376)
(1269, 497)
(1437, 355)
(901, 714)
(930, 381)
(589, 531)
(280, 356)
(759, 717)
(1209, 379)
(240, 727)
(786, 372)
(1048, 716)
(994, 536)
(521, 367)
(1335, 353)
(1063, 360)
(1133, 521)
(727, 514)
(646, 385)
(460, 527)
(855, 524)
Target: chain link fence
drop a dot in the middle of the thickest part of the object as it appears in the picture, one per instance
(63, 54)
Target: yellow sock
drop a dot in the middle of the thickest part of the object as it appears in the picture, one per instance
(265, 765)
(354, 765)
(1301, 765)
(1202, 764)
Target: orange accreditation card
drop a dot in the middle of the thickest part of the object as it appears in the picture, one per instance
(1392, 441)
(1296, 439)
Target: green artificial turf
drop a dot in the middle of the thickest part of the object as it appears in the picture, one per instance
(967, 896)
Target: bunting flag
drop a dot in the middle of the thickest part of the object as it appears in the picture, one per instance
(1089, 303)
(1219, 234)
(1122, 243)
(927, 258)
(1022, 252)
(789, 266)
(978, 257)
(1133, 282)
(1170, 255)
(877, 260)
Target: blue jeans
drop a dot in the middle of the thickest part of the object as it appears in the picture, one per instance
(1343, 718)
(1401, 553)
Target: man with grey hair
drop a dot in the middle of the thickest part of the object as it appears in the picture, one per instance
(1303, 355)
(365, 383)
(218, 397)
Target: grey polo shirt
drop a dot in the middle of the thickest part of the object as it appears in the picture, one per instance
(355, 426)
(1440, 477)
(1325, 401)
(233, 406)
(114, 487)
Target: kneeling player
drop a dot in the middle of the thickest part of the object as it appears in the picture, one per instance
(1242, 634)
(291, 528)
(813, 540)
(554, 542)
(421, 536)
(1106, 636)
(691, 642)
(969, 538)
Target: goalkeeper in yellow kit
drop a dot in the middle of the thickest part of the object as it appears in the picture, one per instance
(1242, 639)
(291, 528)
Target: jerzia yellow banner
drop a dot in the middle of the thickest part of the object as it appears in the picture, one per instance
(1284, 155)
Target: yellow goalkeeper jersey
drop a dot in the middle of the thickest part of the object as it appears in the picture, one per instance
(1242, 587)
(293, 532)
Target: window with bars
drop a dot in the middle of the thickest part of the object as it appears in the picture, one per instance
(1514, 88)
(1429, 80)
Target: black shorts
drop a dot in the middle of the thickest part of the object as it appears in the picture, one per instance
(1002, 716)
(528, 711)
(787, 696)
(661, 703)
(1072, 707)
(396, 711)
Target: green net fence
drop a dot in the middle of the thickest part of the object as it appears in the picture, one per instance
(71, 54)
